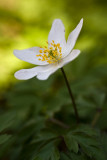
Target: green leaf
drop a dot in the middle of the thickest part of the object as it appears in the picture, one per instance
(44, 135)
(48, 152)
(71, 143)
(80, 135)
(85, 129)
(64, 156)
(94, 152)
(72, 156)
(88, 140)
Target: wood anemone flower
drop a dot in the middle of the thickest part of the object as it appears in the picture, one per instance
(52, 57)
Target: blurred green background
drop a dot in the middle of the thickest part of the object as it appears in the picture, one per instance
(24, 24)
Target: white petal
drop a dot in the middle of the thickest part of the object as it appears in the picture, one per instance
(45, 75)
(29, 55)
(73, 37)
(69, 58)
(57, 33)
(25, 74)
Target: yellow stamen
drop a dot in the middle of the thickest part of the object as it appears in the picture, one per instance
(58, 45)
(52, 54)
(40, 51)
(45, 51)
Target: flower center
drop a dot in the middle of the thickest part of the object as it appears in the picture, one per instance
(52, 54)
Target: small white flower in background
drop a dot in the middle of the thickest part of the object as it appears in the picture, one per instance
(51, 58)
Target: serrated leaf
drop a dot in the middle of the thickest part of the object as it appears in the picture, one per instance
(86, 140)
(49, 151)
(94, 152)
(81, 135)
(71, 143)
(85, 129)
(79, 156)
(72, 156)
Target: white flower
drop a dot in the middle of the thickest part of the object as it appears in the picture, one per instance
(51, 58)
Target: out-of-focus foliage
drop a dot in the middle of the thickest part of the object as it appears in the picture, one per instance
(27, 131)
(25, 24)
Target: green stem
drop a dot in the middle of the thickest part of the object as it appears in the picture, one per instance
(59, 123)
(71, 95)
